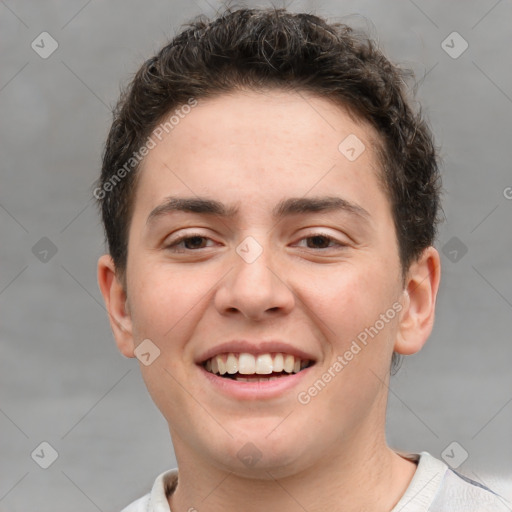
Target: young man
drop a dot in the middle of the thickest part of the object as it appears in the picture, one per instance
(270, 203)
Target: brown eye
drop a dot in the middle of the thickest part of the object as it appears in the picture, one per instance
(193, 242)
(321, 241)
(188, 243)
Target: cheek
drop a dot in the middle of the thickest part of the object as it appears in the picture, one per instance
(352, 300)
(163, 299)
(164, 305)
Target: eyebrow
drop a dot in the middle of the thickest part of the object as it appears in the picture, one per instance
(286, 207)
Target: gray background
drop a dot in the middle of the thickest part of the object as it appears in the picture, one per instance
(62, 379)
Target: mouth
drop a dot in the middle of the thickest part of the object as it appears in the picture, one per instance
(245, 367)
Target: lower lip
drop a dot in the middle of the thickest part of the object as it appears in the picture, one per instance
(255, 390)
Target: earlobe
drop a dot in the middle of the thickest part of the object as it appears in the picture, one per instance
(419, 301)
(116, 302)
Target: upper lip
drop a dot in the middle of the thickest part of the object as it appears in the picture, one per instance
(255, 348)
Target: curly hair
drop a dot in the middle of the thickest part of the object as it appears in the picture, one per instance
(274, 48)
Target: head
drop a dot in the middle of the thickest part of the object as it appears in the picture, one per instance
(268, 129)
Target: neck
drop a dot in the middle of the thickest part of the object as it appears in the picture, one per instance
(358, 476)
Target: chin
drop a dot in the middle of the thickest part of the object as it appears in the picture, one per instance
(258, 456)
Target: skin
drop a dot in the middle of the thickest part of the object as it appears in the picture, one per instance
(254, 149)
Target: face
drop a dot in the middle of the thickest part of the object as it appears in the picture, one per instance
(258, 241)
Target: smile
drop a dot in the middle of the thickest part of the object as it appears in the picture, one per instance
(245, 367)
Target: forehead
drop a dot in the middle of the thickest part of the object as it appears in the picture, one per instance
(259, 146)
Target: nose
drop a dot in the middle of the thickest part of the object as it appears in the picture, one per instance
(255, 286)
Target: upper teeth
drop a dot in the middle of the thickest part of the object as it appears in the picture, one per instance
(248, 364)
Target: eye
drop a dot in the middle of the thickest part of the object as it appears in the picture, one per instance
(194, 241)
(322, 241)
(189, 242)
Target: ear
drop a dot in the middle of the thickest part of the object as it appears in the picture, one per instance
(419, 302)
(115, 299)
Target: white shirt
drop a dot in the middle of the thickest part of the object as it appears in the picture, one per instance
(435, 487)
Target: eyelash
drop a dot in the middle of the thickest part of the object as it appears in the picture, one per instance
(172, 247)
